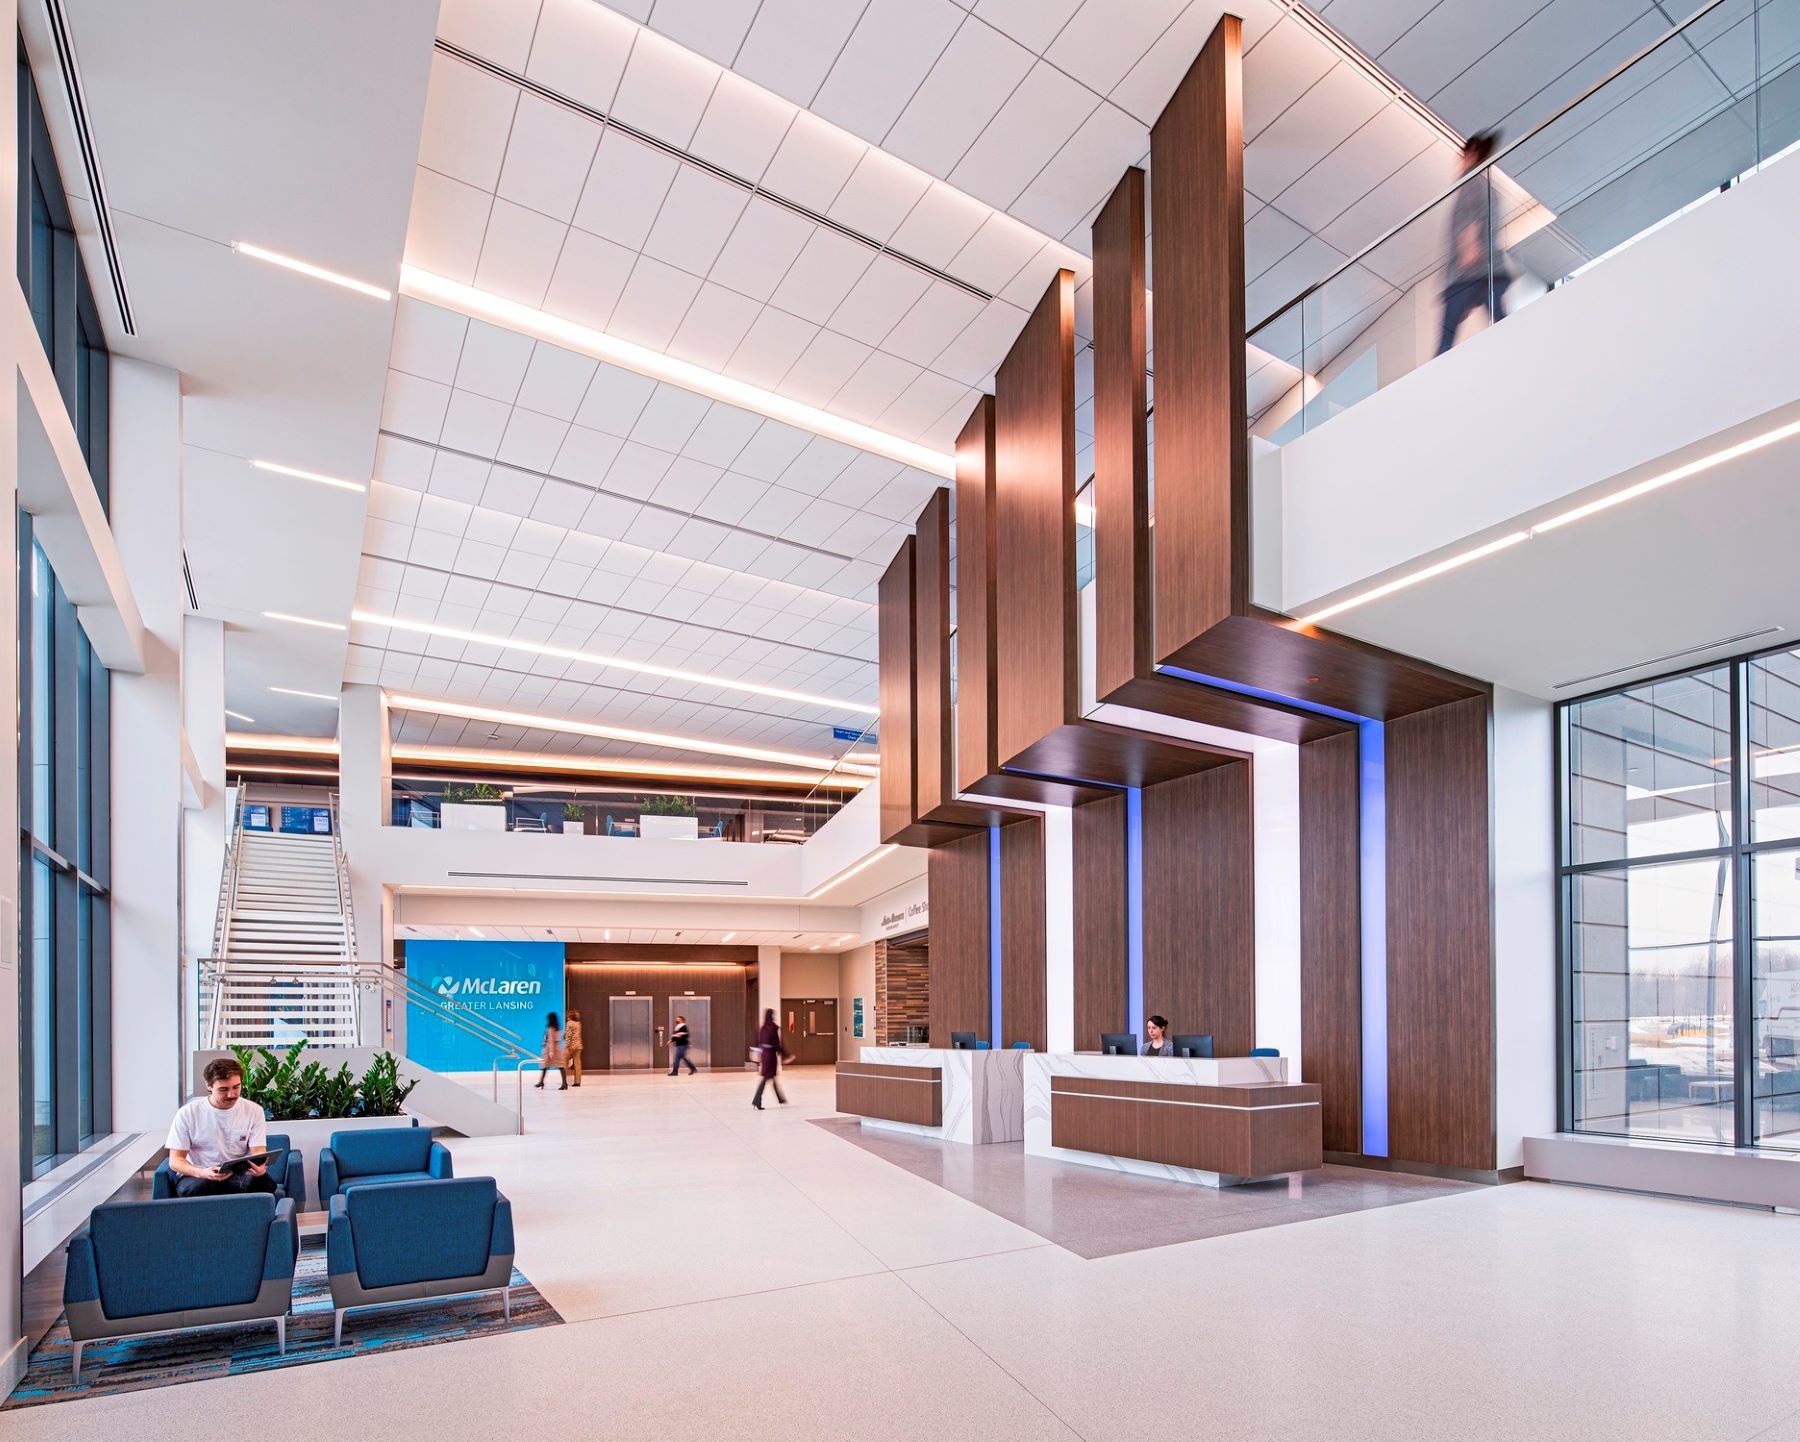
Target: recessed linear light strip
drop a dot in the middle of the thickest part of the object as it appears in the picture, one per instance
(526, 721)
(598, 345)
(844, 876)
(307, 268)
(647, 668)
(277, 468)
(675, 152)
(294, 620)
(1569, 517)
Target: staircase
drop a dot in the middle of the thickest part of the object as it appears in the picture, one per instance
(285, 943)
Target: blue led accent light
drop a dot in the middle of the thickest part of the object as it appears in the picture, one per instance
(1134, 914)
(1260, 694)
(994, 986)
(1373, 775)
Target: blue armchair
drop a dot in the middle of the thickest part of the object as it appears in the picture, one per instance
(386, 1154)
(139, 1268)
(289, 1172)
(409, 1241)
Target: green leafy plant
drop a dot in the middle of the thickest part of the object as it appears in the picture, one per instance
(288, 1091)
(479, 793)
(572, 812)
(667, 806)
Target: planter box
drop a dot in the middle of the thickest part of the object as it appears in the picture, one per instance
(670, 828)
(313, 1136)
(473, 816)
(572, 830)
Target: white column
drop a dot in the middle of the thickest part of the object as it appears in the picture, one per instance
(1275, 829)
(146, 752)
(1059, 928)
(768, 982)
(365, 782)
(203, 826)
(1524, 924)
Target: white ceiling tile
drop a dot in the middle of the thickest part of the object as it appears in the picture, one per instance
(609, 516)
(653, 529)
(731, 496)
(922, 402)
(580, 50)
(880, 193)
(697, 540)
(501, 33)
(590, 277)
(457, 478)
(560, 504)
(935, 320)
(818, 281)
(538, 537)
(615, 399)
(1267, 238)
(519, 569)
(972, 357)
(625, 189)
(402, 463)
(940, 225)
(665, 89)
(637, 469)
(493, 361)
(1392, 137)
(771, 345)
(474, 424)
(1030, 128)
(876, 303)
(1152, 80)
(427, 340)
(874, 387)
(1417, 183)
(387, 539)
(822, 366)
(888, 55)
(656, 298)
(714, 325)
(818, 523)
(812, 163)
(1033, 23)
(996, 253)
(685, 484)
(414, 407)
(394, 503)
(586, 456)
(793, 43)
(512, 492)
(445, 516)
(770, 451)
(446, 225)
(532, 440)
(467, 115)
(1084, 172)
(1287, 63)
(714, 28)
(1315, 124)
(761, 248)
(774, 512)
(1284, 280)
(742, 126)
(669, 418)
(721, 434)
(697, 215)
(966, 88)
(432, 548)
(519, 254)
(1373, 25)
(1105, 39)
(555, 381)
(496, 527)
(547, 158)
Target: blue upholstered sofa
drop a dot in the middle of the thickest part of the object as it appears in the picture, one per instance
(289, 1172)
(408, 1241)
(164, 1266)
(386, 1154)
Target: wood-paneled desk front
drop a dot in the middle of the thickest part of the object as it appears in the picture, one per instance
(978, 1095)
(1214, 1122)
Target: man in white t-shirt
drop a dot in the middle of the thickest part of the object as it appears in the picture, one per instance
(215, 1130)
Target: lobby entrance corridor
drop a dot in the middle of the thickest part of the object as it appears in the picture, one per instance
(714, 1264)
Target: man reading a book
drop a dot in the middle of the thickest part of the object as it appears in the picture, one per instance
(213, 1135)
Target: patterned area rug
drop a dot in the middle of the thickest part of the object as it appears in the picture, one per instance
(128, 1365)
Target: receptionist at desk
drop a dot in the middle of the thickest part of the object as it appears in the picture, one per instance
(1159, 1044)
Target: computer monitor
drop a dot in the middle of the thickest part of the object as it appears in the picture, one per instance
(1192, 1045)
(962, 1041)
(1118, 1043)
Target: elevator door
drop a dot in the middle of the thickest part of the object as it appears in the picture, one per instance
(628, 1033)
(698, 1011)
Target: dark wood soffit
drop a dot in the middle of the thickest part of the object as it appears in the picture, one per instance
(975, 682)
(1122, 603)
(672, 953)
(895, 690)
(933, 745)
(1120, 756)
(1193, 701)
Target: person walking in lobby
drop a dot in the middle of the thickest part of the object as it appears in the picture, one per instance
(678, 1042)
(572, 1050)
(553, 1055)
(771, 1053)
(212, 1134)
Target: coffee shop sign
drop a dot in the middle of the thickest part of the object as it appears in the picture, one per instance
(905, 916)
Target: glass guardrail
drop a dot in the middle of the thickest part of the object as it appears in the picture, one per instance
(1680, 121)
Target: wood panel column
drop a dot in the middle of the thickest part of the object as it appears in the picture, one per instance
(1024, 1011)
(1200, 906)
(894, 653)
(976, 758)
(1440, 965)
(1100, 919)
(957, 882)
(1331, 933)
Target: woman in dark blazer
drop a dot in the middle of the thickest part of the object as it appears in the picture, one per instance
(769, 1049)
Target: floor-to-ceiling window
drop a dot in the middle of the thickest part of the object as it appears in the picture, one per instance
(65, 773)
(1681, 906)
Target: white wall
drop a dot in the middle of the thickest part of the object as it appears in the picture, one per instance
(856, 977)
(205, 819)
(1671, 341)
(1524, 923)
(146, 752)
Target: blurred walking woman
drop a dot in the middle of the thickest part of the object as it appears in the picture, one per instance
(771, 1054)
(553, 1054)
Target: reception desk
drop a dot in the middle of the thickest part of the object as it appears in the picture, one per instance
(1213, 1122)
(959, 1096)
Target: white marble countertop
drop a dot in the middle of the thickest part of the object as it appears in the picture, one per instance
(984, 1091)
(1175, 1070)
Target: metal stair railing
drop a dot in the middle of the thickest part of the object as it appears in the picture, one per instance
(228, 874)
(345, 904)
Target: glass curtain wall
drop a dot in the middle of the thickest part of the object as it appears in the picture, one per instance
(65, 727)
(1681, 906)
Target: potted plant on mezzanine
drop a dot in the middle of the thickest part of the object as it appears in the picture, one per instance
(574, 819)
(668, 818)
(479, 807)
